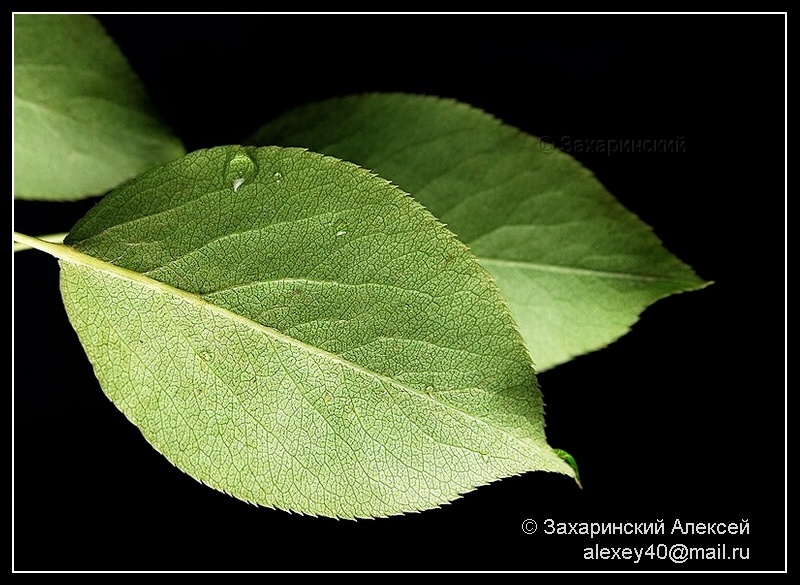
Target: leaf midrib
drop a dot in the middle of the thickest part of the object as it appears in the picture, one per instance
(49, 108)
(581, 271)
(73, 256)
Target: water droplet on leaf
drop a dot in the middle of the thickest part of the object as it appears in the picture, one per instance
(241, 169)
(340, 233)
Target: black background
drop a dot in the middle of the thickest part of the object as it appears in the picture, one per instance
(682, 418)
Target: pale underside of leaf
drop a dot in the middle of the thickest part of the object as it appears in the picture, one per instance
(82, 121)
(575, 266)
(297, 332)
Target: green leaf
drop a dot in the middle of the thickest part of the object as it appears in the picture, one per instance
(575, 266)
(297, 332)
(82, 121)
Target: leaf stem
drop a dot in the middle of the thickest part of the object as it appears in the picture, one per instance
(23, 242)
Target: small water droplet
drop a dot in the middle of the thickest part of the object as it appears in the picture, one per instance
(340, 233)
(241, 169)
(278, 177)
(204, 355)
(327, 398)
(485, 457)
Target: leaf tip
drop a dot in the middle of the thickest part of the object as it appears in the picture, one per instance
(570, 460)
